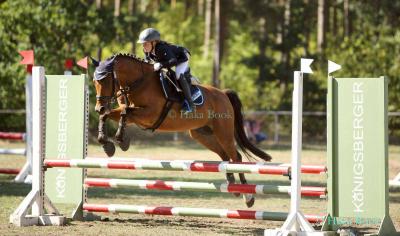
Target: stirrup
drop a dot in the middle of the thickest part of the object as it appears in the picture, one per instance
(186, 108)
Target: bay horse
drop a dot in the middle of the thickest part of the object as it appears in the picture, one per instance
(216, 124)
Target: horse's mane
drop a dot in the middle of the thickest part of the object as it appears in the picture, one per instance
(128, 55)
(107, 65)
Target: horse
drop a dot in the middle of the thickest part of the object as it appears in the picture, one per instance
(132, 81)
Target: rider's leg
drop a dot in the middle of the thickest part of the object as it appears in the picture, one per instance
(180, 75)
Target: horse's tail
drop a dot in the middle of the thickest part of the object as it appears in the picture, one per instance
(240, 135)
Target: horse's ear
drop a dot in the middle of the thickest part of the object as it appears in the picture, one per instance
(94, 62)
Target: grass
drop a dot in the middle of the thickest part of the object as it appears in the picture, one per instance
(11, 194)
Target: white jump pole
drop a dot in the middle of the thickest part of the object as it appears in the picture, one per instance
(25, 175)
(296, 223)
(36, 200)
(19, 151)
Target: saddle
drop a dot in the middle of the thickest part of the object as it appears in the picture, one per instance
(173, 92)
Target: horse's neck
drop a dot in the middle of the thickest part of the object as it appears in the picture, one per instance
(149, 90)
(136, 70)
(152, 82)
(150, 78)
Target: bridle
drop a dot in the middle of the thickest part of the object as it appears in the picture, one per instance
(110, 99)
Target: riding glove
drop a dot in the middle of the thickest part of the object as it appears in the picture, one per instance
(157, 66)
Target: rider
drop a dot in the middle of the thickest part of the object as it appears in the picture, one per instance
(166, 55)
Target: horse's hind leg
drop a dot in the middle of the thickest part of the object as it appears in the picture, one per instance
(224, 133)
(210, 142)
(248, 198)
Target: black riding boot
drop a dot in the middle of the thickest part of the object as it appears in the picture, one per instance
(186, 92)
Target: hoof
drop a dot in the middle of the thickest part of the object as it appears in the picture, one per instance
(124, 145)
(249, 198)
(109, 149)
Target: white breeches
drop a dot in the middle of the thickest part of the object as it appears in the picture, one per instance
(182, 68)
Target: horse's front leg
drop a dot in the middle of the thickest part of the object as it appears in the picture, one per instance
(102, 136)
(122, 139)
(126, 116)
(108, 145)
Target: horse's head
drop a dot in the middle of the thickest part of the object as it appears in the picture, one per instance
(104, 83)
(121, 72)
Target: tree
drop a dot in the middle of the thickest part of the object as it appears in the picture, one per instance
(285, 54)
(347, 18)
(131, 12)
(207, 31)
(217, 47)
(321, 26)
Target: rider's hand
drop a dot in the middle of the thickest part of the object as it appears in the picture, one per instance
(157, 66)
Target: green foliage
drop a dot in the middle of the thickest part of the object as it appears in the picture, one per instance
(236, 73)
(373, 54)
(180, 27)
(53, 28)
(254, 44)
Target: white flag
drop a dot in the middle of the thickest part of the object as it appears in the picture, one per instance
(332, 67)
(305, 65)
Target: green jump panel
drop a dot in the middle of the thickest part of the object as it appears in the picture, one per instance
(358, 150)
(66, 122)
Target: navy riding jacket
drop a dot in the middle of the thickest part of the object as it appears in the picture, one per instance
(168, 55)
